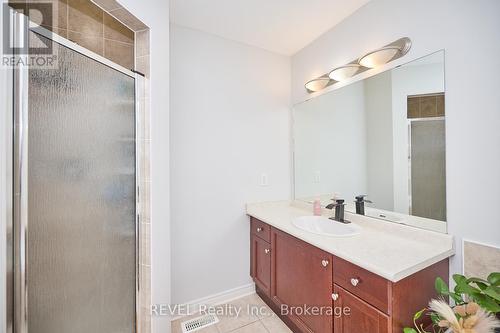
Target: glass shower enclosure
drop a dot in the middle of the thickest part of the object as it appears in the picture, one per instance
(75, 222)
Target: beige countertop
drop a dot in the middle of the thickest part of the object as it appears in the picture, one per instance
(390, 250)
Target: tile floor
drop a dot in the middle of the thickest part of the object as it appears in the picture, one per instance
(261, 321)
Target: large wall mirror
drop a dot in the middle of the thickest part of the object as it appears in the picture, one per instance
(383, 137)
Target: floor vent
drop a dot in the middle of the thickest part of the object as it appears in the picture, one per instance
(199, 323)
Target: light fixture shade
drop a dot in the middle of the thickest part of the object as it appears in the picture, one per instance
(379, 57)
(317, 84)
(344, 72)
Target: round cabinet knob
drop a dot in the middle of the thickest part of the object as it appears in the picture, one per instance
(335, 297)
(267, 251)
(325, 263)
(354, 282)
(259, 229)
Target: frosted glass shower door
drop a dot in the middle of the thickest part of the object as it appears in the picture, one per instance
(428, 169)
(81, 244)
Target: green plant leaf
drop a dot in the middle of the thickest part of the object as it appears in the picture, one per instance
(475, 279)
(492, 293)
(494, 278)
(456, 297)
(486, 303)
(458, 278)
(463, 288)
(435, 318)
(481, 285)
(441, 286)
(418, 314)
(409, 330)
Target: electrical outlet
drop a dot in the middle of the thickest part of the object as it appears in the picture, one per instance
(317, 177)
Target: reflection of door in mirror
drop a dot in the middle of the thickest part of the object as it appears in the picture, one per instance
(427, 181)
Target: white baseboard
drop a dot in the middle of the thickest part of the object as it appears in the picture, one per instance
(219, 298)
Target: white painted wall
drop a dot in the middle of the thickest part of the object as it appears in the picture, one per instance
(379, 141)
(407, 81)
(330, 144)
(155, 13)
(468, 31)
(230, 106)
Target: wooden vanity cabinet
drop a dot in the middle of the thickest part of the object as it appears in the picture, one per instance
(289, 272)
(301, 277)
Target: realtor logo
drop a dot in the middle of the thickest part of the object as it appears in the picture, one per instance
(24, 44)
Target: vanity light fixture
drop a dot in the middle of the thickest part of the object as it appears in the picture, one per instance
(386, 54)
(379, 57)
(318, 84)
(370, 60)
(344, 72)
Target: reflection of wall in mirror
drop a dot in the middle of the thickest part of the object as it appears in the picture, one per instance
(379, 141)
(330, 144)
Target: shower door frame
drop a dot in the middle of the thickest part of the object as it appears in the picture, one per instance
(17, 161)
(410, 183)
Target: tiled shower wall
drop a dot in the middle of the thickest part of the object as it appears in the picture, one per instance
(426, 106)
(86, 24)
(142, 65)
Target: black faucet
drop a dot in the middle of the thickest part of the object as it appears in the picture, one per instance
(339, 210)
(360, 204)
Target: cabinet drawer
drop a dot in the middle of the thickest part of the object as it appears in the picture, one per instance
(260, 229)
(370, 287)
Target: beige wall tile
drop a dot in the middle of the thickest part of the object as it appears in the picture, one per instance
(115, 30)
(85, 17)
(108, 5)
(480, 260)
(142, 65)
(413, 107)
(440, 106)
(145, 320)
(128, 19)
(146, 124)
(146, 89)
(61, 32)
(428, 106)
(121, 53)
(146, 167)
(50, 17)
(145, 286)
(145, 243)
(142, 43)
(93, 43)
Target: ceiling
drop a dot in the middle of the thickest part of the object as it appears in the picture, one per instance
(280, 26)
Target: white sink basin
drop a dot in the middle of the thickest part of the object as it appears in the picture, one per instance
(323, 226)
